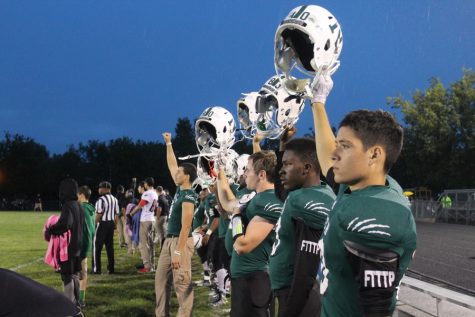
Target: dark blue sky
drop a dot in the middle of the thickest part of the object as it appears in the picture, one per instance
(71, 71)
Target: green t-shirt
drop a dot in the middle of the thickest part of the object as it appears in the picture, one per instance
(211, 211)
(198, 215)
(174, 220)
(377, 217)
(224, 219)
(312, 205)
(89, 229)
(228, 239)
(266, 205)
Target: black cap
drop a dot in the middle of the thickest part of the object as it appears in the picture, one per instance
(105, 184)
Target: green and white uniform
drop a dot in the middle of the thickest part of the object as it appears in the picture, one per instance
(312, 205)
(376, 217)
(266, 205)
(224, 219)
(198, 215)
(228, 239)
(181, 196)
(211, 211)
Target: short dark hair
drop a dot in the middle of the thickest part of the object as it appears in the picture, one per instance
(141, 184)
(105, 184)
(377, 128)
(159, 189)
(306, 150)
(85, 190)
(149, 181)
(190, 170)
(265, 161)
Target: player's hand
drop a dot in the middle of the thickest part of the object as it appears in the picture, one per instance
(176, 261)
(320, 88)
(167, 137)
(289, 132)
(257, 138)
(205, 239)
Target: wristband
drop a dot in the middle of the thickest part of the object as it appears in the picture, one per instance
(176, 252)
(237, 226)
(209, 232)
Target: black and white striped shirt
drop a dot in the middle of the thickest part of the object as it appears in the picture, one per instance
(108, 207)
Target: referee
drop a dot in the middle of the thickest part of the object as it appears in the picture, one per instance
(107, 212)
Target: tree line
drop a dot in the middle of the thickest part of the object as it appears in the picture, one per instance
(438, 152)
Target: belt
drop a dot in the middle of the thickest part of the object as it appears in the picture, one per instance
(176, 236)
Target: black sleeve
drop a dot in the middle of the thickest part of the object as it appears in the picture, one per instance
(64, 223)
(375, 271)
(280, 191)
(330, 180)
(307, 259)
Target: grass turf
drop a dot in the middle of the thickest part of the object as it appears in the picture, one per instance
(123, 294)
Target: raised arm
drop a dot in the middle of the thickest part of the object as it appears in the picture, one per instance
(256, 140)
(225, 195)
(324, 137)
(171, 159)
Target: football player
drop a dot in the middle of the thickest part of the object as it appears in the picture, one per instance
(370, 236)
(253, 221)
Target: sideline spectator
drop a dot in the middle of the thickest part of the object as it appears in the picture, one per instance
(88, 235)
(72, 219)
(120, 195)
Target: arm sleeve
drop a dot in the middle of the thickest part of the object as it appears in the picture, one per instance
(307, 259)
(99, 206)
(374, 266)
(330, 180)
(280, 191)
(64, 223)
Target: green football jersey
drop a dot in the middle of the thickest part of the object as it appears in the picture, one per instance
(224, 219)
(211, 211)
(228, 239)
(266, 205)
(198, 215)
(312, 205)
(376, 217)
(174, 220)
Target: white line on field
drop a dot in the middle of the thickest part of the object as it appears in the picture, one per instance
(16, 268)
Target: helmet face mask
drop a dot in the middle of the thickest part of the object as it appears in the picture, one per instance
(307, 42)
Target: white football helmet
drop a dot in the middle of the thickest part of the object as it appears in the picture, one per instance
(214, 131)
(308, 39)
(247, 115)
(276, 108)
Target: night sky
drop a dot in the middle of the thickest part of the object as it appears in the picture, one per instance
(71, 71)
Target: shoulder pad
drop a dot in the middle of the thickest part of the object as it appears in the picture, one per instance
(370, 254)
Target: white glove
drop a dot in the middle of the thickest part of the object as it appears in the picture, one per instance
(320, 88)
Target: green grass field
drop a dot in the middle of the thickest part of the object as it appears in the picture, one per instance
(123, 294)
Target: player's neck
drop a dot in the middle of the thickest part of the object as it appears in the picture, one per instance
(185, 186)
(310, 181)
(374, 180)
(262, 186)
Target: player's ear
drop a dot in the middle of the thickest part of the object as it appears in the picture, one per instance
(376, 154)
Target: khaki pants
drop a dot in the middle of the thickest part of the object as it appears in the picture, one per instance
(161, 227)
(181, 279)
(145, 244)
(120, 230)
